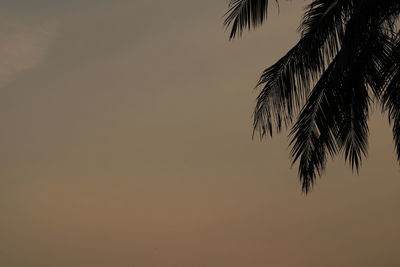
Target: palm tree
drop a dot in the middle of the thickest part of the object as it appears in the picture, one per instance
(347, 57)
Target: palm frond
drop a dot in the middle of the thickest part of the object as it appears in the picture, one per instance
(245, 14)
(352, 127)
(313, 135)
(392, 103)
(286, 84)
(381, 66)
(349, 52)
(391, 95)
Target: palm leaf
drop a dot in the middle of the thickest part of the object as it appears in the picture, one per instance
(286, 84)
(245, 14)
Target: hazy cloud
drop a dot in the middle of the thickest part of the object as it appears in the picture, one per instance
(23, 46)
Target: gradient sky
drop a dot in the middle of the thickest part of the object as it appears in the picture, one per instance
(126, 141)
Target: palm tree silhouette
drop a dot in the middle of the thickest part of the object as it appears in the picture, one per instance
(348, 55)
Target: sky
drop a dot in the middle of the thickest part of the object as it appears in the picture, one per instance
(127, 141)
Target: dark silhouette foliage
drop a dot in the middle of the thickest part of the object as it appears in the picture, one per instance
(348, 56)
